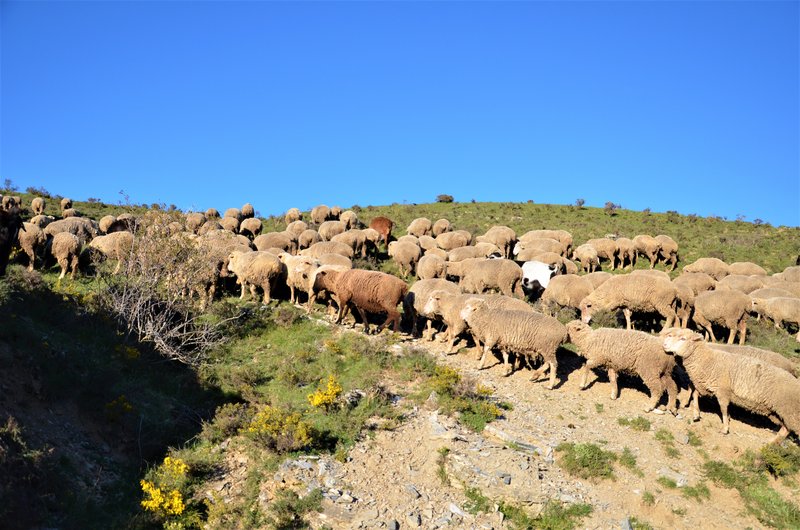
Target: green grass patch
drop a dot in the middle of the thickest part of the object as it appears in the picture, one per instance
(698, 492)
(694, 440)
(586, 460)
(648, 499)
(667, 443)
(554, 516)
(638, 524)
(441, 462)
(637, 424)
(667, 482)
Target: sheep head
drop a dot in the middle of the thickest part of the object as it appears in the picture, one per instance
(680, 341)
(434, 303)
(576, 327)
(471, 307)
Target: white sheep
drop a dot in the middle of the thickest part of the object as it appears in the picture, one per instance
(431, 266)
(538, 244)
(421, 226)
(647, 246)
(448, 306)
(630, 351)
(350, 219)
(328, 247)
(256, 269)
(328, 229)
(299, 270)
(65, 248)
(746, 268)
(586, 255)
(32, 241)
(780, 311)
(523, 333)
(502, 237)
(740, 282)
(416, 299)
(281, 240)
(698, 282)
(748, 383)
(450, 240)
(440, 227)
(765, 356)
(714, 267)
(116, 245)
(630, 293)
(668, 252)
(567, 290)
(405, 255)
(724, 308)
(598, 278)
(606, 249)
(320, 214)
(292, 215)
(626, 252)
(479, 275)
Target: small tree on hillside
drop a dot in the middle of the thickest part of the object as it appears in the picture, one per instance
(579, 203)
(444, 198)
(611, 208)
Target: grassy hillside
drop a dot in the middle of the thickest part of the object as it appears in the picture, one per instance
(88, 412)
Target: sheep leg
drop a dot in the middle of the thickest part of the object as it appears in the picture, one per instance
(656, 389)
(742, 329)
(726, 420)
(292, 299)
(63, 264)
(553, 373)
(587, 367)
(672, 393)
(344, 307)
(394, 317)
(508, 367)
(695, 405)
(781, 435)
(487, 348)
(627, 312)
(612, 378)
(363, 315)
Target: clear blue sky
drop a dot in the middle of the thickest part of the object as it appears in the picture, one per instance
(688, 106)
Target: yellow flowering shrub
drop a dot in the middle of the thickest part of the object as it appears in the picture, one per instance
(327, 397)
(162, 494)
(280, 430)
(117, 408)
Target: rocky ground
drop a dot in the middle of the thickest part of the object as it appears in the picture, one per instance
(401, 478)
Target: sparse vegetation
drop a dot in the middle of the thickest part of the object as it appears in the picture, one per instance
(586, 460)
(667, 443)
(637, 424)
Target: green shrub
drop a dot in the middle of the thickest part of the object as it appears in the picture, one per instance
(586, 460)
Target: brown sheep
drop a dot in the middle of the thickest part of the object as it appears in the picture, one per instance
(369, 291)
(382, 225)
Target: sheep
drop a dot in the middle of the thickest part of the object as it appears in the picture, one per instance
(746, 268)
(502, 237)
(652, 273)
(116, 246)
(38, 205)
(559, 235)
(405, 255)
(10, 225)
(536, 277)
(409, 239)
(437, 252)
(292, 215)
(308, 238)
(320, 214)
(65, 204)
(247, 211)
(448, 306)
(598, 278)
(250, 227)
(336, 211)
(739, 282)
(416, 300)
(326, 247)
(630, 351)
(106, 221)
(369, 291)
(328, 229)
(771, 292)
(462, 253)
(299, 270)
(335, 259)
(427, 242)
(81, 227)
(477, 275)
(791, 274)
(765, 356)
(779, 310)
(65, 248)
(684, 296)
(725, 308)
(776, 281)
(540, 244)
(466, 235)
(430, 267)
(697, 281)
(440, 227)
(322, 283)
(631, 293)
(607, 250)
(627, 252)
(586, 255)
(8, 202)
(421, 226)
(234, 213)
(383, 226)
(566, 290)
(70, 212)
(211, 225)
(524, 333)
(42, 220)
(296, 227)
(647, 246)
(213, 251)
(350, 219)
(714, 267)
(212, 213)
(280, 240)
(451, 240)
(194, 221)
(355, 239)
(31, 240)
(748, 383)
(231, 224)
(668, 252)
(256, 269)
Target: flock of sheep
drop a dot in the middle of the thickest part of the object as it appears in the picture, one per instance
(479, 287)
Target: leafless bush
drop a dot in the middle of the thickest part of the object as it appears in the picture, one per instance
(149, 298)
